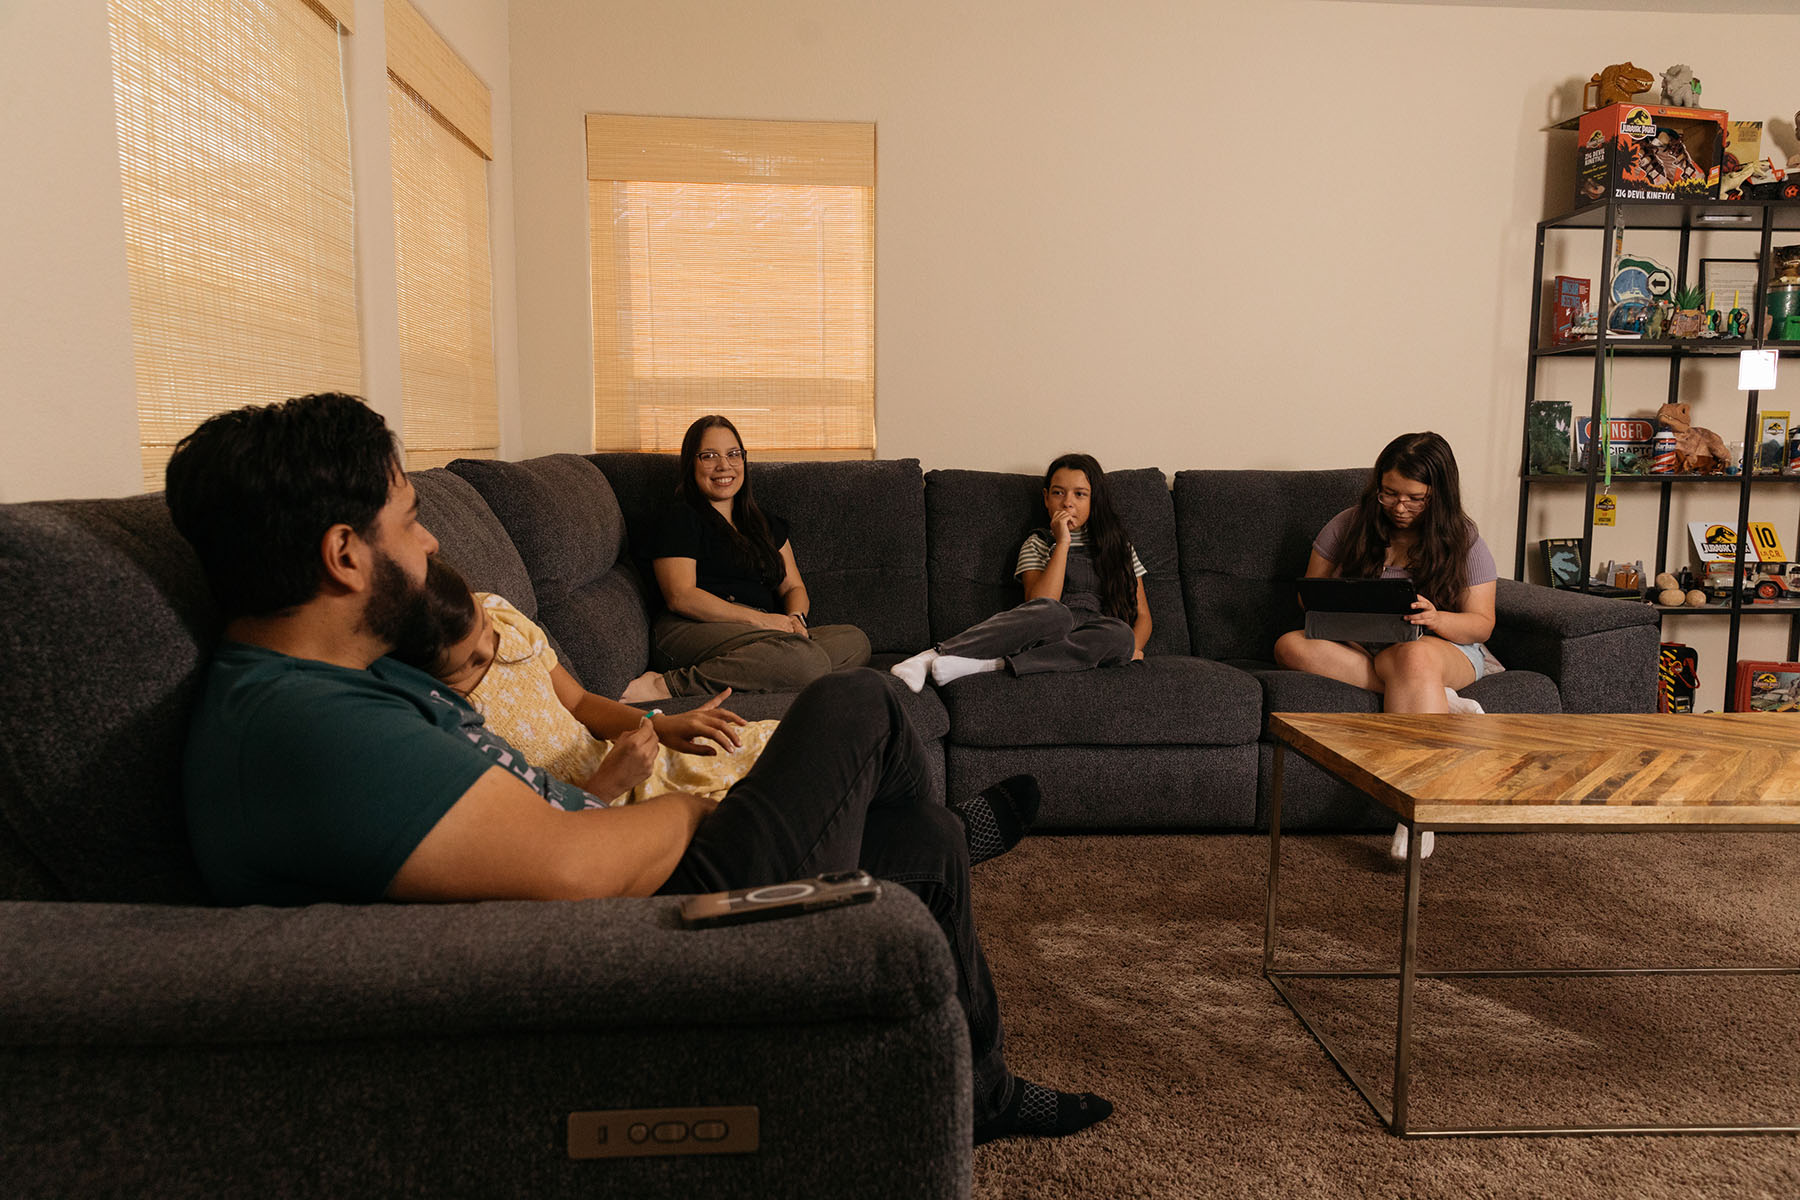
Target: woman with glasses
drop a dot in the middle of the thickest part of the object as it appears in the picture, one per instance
(1409, 524)
(737, 609)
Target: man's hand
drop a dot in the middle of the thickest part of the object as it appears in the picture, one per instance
(681, 730)
(626, 765)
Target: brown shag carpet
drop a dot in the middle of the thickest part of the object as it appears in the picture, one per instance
(1130, 966)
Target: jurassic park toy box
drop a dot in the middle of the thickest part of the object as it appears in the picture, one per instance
(1649, 152)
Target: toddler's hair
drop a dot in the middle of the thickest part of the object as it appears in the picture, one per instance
(448, 616)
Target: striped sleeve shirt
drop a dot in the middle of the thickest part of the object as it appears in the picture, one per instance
(1034, 555)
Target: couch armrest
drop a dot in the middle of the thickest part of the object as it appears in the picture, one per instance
(441, 1049)
(1601, 652)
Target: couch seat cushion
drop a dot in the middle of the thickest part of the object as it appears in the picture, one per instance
(1161, 701)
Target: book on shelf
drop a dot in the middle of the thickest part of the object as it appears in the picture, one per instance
(1631, 444)
(1549, 447)
(1568, 307)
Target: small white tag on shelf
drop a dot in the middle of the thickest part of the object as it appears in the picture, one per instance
(1756, 371)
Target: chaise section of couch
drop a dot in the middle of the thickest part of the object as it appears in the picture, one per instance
(154, 1044)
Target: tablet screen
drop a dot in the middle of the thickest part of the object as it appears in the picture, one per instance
(1358, 595)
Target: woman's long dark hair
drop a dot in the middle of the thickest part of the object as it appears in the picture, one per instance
(748, 529)
(1440, 558)
(1106, 539)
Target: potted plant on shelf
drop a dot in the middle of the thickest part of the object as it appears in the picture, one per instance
(1690, 316)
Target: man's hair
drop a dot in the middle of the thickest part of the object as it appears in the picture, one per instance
(254, 490)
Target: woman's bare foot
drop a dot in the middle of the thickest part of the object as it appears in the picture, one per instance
(648, 686)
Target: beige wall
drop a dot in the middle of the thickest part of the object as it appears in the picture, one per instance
(1171, 232)
(67, 390)
(1177, 233)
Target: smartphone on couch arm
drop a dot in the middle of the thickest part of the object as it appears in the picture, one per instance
(775, 900)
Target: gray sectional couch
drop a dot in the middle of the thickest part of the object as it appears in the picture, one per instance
(155, 1045)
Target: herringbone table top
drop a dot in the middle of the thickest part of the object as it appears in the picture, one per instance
(1572, 768)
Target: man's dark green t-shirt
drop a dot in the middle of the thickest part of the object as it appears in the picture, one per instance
(308, 782)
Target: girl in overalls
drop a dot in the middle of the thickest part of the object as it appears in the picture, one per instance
(1084, 593)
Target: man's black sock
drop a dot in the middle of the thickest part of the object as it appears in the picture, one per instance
(1036, 1111)
(995, 820)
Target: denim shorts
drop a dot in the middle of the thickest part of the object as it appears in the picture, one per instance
(1476, 658)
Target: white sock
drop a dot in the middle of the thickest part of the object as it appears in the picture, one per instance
(947, 667)
(913, 671)
(1461, 704)
(1398, 849)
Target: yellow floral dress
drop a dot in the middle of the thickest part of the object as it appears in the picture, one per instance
(518, 700)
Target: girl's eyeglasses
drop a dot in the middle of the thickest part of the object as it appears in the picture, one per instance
(1396, 500)
(712, 456)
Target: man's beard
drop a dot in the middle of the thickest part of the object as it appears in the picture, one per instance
(397, 613)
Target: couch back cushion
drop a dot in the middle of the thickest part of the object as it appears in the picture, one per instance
(108, 627)
(565, 523)
(857, 528)
(976, 521)
(471, 538)
(1245, 537)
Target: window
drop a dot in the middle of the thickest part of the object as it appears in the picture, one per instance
(235, 154)
(440, 126)
(734, 272)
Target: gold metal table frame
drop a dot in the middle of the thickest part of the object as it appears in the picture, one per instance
(1398, 1118)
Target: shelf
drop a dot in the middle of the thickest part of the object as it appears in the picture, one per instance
(1675, 214)
(1779, 608)
(1580, 477)
(1670, 348)
(1769, 223)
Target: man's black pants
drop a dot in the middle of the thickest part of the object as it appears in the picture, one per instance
(843, 783)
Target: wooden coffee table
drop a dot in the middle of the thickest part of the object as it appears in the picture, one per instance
(1598, 772)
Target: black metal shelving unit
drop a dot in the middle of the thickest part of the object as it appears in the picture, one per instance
(1608, 218)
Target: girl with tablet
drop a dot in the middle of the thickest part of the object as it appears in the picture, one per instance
(1409, 524)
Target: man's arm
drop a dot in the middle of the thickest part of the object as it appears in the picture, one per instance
(502, 841)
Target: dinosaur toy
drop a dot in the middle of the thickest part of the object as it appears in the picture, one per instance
(1679, 87)
(1617, 84)
(1697, 450)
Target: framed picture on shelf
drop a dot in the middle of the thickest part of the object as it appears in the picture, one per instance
(1730, 285)
(1563, 566)
(1767, 687)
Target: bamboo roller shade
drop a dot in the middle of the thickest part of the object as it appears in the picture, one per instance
(424, 62)
(235, 158)
(450, 403)
(733, 272)
(341, 11)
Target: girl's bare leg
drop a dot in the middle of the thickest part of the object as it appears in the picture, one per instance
(1415, 674)
(1342, 661)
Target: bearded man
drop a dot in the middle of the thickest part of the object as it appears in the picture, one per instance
(319, 770)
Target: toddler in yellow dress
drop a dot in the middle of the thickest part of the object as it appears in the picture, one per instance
(502, 664)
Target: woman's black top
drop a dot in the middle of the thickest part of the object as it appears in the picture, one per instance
(719, 566)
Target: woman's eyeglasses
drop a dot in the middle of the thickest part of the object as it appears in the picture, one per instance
(712, 456)
(1395, 499)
